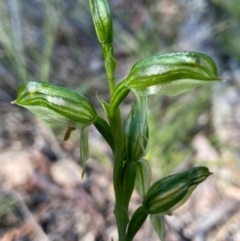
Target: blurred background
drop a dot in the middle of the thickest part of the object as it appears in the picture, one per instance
(42, 194)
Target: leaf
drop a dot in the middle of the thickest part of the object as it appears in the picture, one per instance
(122, 217)
(104, 105)
(158, 225)
(105, 130)
(143, 177)
(119, 94)
(136, 130)
(84, 150)
(137, 220)
(128, 180)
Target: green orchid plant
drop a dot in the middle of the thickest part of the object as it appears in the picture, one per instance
(166, 74)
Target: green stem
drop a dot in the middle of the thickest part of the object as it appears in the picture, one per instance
(110, 65)
(116, 127)
(120, 211)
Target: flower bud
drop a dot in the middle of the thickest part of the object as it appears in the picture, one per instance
(172, 74)
(102, 20)
(169, 193)
(56, 104)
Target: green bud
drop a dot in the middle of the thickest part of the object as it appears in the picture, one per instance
(102, 20)
(172, 74)
(167, 194)
(143, 177)
(136, 130)
(56, 104)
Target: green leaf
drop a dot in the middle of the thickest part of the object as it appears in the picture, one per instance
(136, 130)
(104, 128)
(137, 220)
(119, 94)
(143, 177)
(122, 220)
(104, 105)
(158, 224)
(84, 150)
(171, 74)
(56, 104)
(128, 180)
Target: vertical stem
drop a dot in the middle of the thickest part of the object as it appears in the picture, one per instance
(116, 126)
(119, 211)
(110, 65)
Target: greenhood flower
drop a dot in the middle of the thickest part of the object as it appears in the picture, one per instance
(172, 74)
(56, 104)
(169, 193)
(166, 74)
